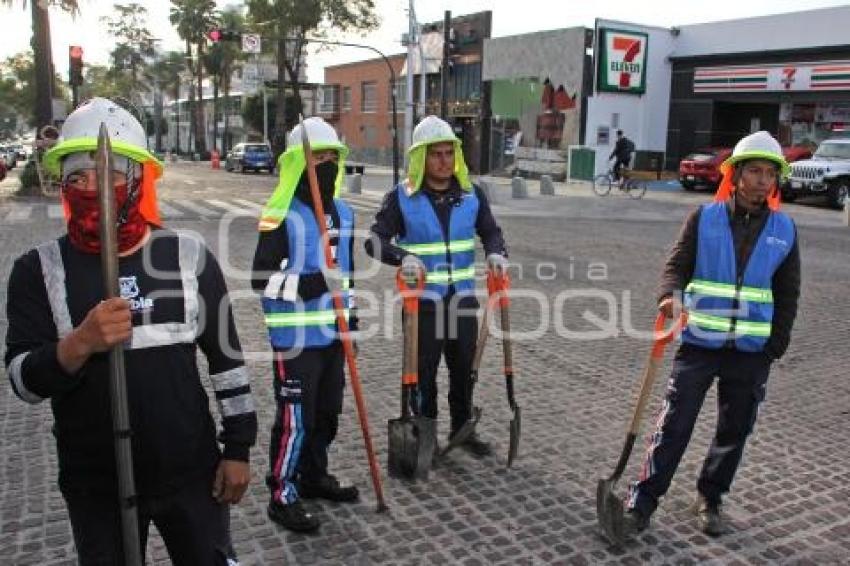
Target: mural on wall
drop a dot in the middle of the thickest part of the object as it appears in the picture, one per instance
(550, 123)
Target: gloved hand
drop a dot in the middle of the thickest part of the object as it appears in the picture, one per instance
(497, 263)
(412, 268)
(671, 306)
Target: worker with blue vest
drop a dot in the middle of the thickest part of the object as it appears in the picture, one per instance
(308, 359)
(427, 225)
(735, 269)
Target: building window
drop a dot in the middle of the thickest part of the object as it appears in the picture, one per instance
(368, 96)
(330, 104)
(346, 98)
(466, 82)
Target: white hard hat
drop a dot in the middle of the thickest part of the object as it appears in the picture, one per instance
(431, 130)
(79, 133)
(320, 133)
(760, 145)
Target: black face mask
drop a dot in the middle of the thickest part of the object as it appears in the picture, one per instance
(326, 173)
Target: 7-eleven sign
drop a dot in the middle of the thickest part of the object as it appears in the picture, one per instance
(622, 61)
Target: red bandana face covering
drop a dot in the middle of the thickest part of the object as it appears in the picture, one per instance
(84, 222)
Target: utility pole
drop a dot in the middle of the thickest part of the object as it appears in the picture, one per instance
(408, 99)
(420, 109)
(444, 68)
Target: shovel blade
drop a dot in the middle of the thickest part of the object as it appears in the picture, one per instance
(516, 430)
(609, 512)
(411, 447)
(463, 434)
(427, 441)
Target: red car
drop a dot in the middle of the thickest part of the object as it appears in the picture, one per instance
(702, 167)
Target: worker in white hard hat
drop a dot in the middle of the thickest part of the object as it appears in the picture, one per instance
(427, 225)
(308, 358)
(737, 263)
(60, 331)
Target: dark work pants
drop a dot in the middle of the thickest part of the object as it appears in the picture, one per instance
(446, 331)
(742, 378)
(308, 389)
(193, 526)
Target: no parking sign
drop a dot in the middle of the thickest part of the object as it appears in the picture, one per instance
(251, 43)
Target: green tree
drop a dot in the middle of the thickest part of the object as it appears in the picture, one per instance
(45, 85)
(18, 88)
(231, 60)
(291, 22)
(252, 112)
(193, 19)
(166, 72)
(134, 43)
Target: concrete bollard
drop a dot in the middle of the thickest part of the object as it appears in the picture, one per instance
(547, 187)
(519, 188)
(355, 184)
(847, 210)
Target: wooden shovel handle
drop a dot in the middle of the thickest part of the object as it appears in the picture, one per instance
(653, 363)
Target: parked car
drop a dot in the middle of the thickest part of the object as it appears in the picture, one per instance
(2, 170)
(702, 168)
(250, 157)
(10, 157)
(21, 151)
(826, 173)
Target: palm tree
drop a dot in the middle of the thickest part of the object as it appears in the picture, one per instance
(193, 19)
(166, 74)
(231, 58)
(213, 66)
(44, 86)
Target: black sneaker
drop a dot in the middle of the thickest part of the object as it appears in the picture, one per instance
(634, 523)
(292, 516)
(709, 518)
(475, 446)
(328, 488)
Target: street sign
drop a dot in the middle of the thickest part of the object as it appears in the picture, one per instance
(250, 77)
(251, 43)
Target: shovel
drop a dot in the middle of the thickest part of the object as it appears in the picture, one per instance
(498, 285)
(412, 437)
(609, 507)
(468, 427)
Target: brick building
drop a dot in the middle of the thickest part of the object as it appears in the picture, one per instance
(356, 100)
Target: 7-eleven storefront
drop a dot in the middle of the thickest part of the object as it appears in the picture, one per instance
(800, 101)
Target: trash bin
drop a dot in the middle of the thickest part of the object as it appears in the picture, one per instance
(582, 162)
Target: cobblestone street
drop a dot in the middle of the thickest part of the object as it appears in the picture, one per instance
(581, 263)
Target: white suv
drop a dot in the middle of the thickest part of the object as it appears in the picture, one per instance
(826, 173)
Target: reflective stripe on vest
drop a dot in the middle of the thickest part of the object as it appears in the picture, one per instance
(146, 335)
(448, 258)
(294, 324)
(722, 304)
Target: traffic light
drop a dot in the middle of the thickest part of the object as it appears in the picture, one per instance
(219, 34)
(75, 65)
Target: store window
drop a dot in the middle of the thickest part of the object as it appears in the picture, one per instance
(810, 124)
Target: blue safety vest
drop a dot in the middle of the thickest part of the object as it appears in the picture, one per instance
(722, 306)
(448, 258)
(310, 324)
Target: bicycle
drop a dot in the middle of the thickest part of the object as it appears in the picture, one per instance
(633, 187)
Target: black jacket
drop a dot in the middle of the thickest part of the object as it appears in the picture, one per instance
(174, 436)
(746, 228)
